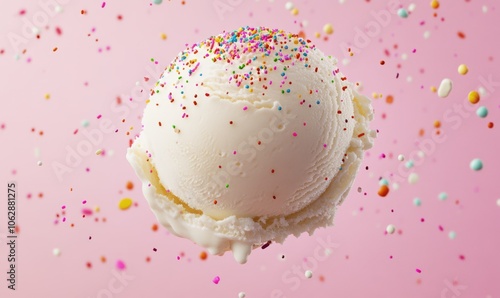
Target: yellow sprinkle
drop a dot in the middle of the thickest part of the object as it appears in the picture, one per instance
(97, 209)
(317, 35)
(163, 36)
(435, 4)
(433, 89)
(98, 152)
(375, 95)
(473, 97)
(437, 124)
(125, 203)
(328, 28)
(295, 11)
(463, 69)
(47, 96)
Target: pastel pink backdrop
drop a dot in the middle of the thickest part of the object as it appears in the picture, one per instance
(84, 77)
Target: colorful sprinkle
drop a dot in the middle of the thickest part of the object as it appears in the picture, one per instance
(476, 164)
(125, 203)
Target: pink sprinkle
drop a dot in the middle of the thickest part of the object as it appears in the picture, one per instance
(324, 145)
(99, 116)
(441, 228)
(120, 265)
(216, 280)
(294, 134)
(418, 270)
(63, 207)
(64, 219)
(84, 202)
(87, 211)
(234, 152)
(245, 108)
(178, 258)
(103, 5)
(414, 50)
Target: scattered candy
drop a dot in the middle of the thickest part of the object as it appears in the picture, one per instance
(445, 88)
(476, 164)
(216, 280)
(435, 4)
(242, 295)
(383, 190)
(443, 196)
(452, 235)
(125, 203)
(390, 229)
(157, 1)
(482, 112)
(417, 202)
(56, 252)
(403, 13)
(120, 265)
(308, 274)
(473, 97)
(462, 69)
(413, 178)
(328, 28)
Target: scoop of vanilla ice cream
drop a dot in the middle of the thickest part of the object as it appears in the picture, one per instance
(248, 137)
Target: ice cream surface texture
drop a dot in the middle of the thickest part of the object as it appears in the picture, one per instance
(248, 137)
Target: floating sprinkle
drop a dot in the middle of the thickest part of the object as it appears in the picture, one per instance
(401, 157)
(452, 235)
(158, 2)
(216, 280)
(289, 6)
(383, 181)
(473, 97)
(476, 164)
(482, 112)
(463, 69)
(417, 202)
(443, 196)
(39, 163)
(125, 203)
(390, 229)
(413, 178)
(498, 202)
(98, 152)
(241, 295)
(445, 88)
(418, 270)
(56, 252)
(435, 4)
(328, 28)
(120, 265)
(383, 190)
(403, 13)
(308, 274)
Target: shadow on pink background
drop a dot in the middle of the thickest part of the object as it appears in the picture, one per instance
(91, 55)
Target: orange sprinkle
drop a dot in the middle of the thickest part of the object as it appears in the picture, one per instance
(129, 185)
(461, 34)
(54, 49)
(421, 132)
(437, 124)
(103, 259)
(383, 190)
(490, 124)
(154, 227)
(203, 255)
(389, 99)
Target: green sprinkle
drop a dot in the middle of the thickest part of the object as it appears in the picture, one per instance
(476, 164)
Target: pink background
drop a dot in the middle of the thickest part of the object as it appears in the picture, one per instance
(84, 77)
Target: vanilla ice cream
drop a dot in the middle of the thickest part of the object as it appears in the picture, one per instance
(250, 136)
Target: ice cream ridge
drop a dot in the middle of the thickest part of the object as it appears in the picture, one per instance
(248, 137)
